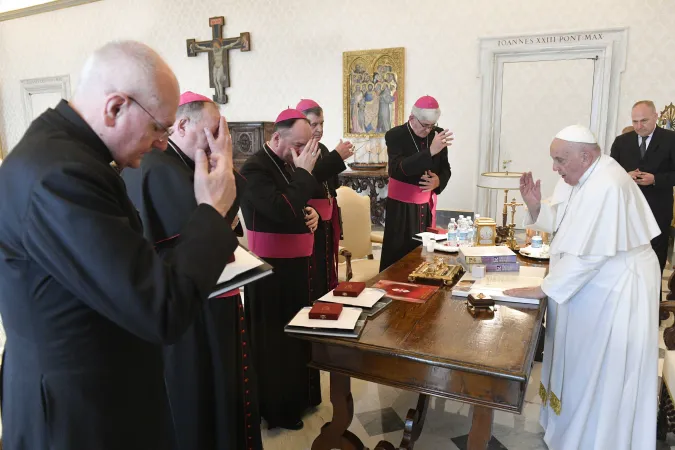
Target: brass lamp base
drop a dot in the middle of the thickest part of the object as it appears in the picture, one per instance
(506, 235)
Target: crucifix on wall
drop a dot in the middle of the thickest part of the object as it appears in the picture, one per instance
(218, 48)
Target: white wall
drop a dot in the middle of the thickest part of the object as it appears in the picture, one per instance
(297, 52)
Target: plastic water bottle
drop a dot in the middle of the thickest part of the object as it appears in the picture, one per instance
(463, 232)
(452, 233)
(471, 231)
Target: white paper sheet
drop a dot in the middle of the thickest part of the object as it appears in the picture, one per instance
(347, 320)
(366, 299)
(243, 262)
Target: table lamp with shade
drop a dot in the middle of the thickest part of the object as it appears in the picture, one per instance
(505, 181)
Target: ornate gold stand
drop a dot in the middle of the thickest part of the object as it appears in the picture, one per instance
(506, 234)
(437, 270)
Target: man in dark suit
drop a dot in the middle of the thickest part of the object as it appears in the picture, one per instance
(648, 155)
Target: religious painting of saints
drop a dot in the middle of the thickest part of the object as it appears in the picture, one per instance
(372, 91)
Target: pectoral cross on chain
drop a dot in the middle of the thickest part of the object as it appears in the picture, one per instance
(218, 48)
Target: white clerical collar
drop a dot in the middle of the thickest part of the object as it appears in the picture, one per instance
(588, 172)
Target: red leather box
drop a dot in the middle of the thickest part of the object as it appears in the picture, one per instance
(230, 260)
(349, 289)
(437, 230)
(325, 311)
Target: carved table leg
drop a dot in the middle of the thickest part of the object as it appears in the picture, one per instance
(334, 434)
(662, 418)
(481, 428)
(414, 422)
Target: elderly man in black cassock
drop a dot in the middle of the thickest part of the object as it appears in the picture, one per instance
(324, 201)
(279, 222)
(418, 171)
(209, 375)
(87, 303)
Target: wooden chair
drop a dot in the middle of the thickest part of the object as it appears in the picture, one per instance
(356, 250)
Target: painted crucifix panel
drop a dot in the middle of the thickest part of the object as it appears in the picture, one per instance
(217, 49)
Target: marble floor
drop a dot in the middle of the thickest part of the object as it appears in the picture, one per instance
(379, 412)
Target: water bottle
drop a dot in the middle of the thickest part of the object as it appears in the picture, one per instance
(452, 233)
(471, 232)
(463, 232)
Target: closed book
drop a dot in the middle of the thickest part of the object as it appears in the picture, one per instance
(349, 289)
(473, 253)
(409, 292)
(437, 230)
(491, 259)
(325, 311)
(505, 267)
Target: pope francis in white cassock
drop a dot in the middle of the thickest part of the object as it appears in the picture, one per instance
(599, 375)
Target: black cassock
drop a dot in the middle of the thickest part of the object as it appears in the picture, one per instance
(409, 159)
(86, 301)
(327, 234)
(273, 204)
(209, 376)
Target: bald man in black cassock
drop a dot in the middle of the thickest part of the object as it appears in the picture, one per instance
(86, 301)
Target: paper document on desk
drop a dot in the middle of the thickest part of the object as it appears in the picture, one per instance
(494, 284)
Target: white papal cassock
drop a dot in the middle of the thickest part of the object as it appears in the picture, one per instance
(599, 375)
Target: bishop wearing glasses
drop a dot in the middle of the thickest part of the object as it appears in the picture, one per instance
(418, 171)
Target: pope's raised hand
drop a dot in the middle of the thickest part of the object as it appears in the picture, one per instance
(308, 156)
(531, 193)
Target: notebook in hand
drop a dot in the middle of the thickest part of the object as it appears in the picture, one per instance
(245, 269)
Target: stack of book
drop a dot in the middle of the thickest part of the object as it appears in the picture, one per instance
(494, 258)
(494, 284)
(340, 313)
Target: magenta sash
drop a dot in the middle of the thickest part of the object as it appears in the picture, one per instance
(277, 245)
(323, 207)
(410, 193)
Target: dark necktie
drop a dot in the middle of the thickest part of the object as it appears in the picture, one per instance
(643, 147)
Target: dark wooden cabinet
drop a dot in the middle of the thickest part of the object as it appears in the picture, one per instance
(248, 138)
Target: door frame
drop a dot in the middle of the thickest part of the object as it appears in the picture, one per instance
(606, 46)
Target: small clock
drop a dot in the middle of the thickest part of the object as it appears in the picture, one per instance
(486, 229)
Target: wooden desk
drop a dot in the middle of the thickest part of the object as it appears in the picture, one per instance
(368, 181)
(436, 348)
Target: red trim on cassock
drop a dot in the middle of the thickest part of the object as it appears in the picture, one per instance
(167, 239)
(289, 204)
